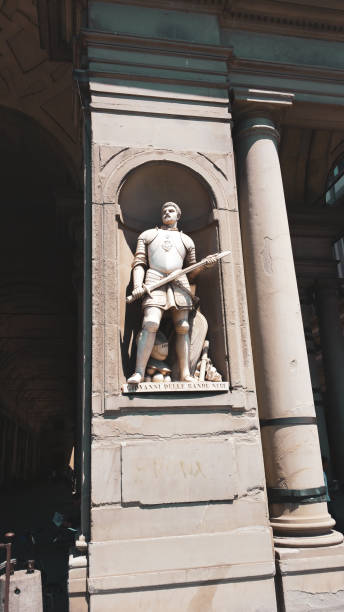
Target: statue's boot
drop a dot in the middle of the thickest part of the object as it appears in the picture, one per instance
(183, 352)
(135, 378)
(145, 345)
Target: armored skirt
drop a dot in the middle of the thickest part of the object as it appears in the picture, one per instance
(173, 295)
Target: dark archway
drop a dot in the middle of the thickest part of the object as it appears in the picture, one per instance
(39, 286)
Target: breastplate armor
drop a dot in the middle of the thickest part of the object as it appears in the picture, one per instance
(166, 252)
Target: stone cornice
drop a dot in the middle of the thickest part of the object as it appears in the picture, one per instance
(125, 73)
(299, 18)
(288, 18)
(279, 69)
(160, 62)
(156, 45)
(204, 6)
(314, 84)
(321, 19)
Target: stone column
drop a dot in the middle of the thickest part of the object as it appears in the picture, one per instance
(332, 344)
(294, 476)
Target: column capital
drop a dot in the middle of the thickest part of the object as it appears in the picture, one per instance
(256, 125)
(250, 103)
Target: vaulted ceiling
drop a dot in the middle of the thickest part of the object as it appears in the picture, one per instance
(307, 155)
(32, 83)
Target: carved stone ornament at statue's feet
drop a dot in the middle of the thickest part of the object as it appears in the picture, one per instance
(135, 379)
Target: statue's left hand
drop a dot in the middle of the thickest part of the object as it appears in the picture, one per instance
(210, 261)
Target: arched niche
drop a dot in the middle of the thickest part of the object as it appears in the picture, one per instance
(149, 185)
(141, 194)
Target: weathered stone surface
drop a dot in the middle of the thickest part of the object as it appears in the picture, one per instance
(97, 403)
(132, 131)
(162, 425)
(77, 584)
(311, 579)
(97, 265)
(250, 466)
(174, 472)
(244, 596)
(194, 401)
(106, 469)
(116, 522)
(98, 358)
(78, 603)
(168, 554)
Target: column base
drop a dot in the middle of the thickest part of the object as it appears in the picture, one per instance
(310, 579)
(305, 525)
(312, 541)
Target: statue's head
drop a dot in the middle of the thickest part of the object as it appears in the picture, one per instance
(170, 213)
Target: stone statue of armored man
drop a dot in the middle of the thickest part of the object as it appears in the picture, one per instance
(161, 251)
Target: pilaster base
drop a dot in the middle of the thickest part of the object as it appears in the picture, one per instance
(310, 579)
(77, 583)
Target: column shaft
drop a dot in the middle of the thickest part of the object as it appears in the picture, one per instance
(289, 432)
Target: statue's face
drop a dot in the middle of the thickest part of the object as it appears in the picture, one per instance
(169, 215)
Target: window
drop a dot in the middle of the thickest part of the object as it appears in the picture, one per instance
(339, 255)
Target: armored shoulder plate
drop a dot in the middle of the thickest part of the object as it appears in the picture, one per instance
(148, 235)
(187, 241)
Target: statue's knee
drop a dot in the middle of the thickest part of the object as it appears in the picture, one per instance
(149, 325)
(182, 327)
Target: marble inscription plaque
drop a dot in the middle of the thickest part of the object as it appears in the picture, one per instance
(178, 471)
(168, 387)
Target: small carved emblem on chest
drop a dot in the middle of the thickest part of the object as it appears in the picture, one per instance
(167, 244)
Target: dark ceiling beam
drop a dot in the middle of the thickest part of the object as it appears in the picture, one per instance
(59, 22)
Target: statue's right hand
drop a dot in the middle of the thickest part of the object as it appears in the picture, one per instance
(138, 292)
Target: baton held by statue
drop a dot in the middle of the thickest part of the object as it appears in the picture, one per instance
(174, 275)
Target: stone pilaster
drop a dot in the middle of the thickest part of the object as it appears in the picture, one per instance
(298, 512)
(177, 479)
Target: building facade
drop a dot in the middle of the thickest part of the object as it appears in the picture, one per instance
(192, 500)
